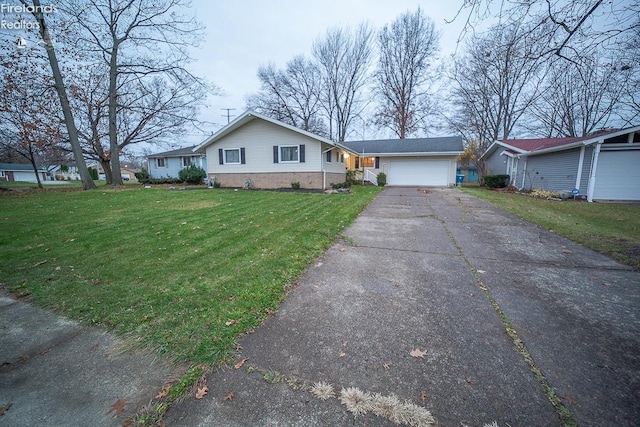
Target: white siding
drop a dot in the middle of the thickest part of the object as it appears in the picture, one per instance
(258, 138)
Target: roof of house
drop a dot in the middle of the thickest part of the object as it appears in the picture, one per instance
(245, 118)
(413, 146)
(185, 151)
(534, 146)
(19, 167)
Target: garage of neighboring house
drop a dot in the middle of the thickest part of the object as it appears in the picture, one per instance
(618, 175)
(408, 162)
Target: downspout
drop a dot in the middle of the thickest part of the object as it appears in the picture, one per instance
(580, 164)
(592, 176)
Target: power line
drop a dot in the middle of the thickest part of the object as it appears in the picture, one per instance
(228, 115)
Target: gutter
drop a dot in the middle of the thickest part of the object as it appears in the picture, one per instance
(592, 174)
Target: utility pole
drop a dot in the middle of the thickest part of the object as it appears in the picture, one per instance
(228, 115)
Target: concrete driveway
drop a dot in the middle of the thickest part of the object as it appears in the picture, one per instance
(437, 301)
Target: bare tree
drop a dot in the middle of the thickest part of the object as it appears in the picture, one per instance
(573, 28)
(143, 44)
(580, 98)
(60, 87)
(407, 49)
(291, 95)
(344, 57)
(496, 82)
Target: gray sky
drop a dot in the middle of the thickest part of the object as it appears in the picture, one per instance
(241, 35)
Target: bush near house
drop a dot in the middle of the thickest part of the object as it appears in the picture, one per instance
(382, 179)
(192, 174)
(496, 181)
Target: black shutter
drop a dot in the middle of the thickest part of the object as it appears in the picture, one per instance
(220, 156)
(275, 154)
(377, 165)
(302, 153)
(242, 158)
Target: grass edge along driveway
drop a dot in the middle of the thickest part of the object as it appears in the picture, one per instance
(182, 272)
(610, 228)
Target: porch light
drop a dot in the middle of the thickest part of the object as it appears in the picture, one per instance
(346, 155)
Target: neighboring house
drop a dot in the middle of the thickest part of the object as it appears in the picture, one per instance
(417, 161)
(169, 163)
(21, 172)
(603, 166)
(259, 152)
(65, 172)
(127, 172)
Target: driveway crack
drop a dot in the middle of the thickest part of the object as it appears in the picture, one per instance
(565, 414)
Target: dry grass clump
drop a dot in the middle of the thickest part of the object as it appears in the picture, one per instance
(544, 194)
(322, 390)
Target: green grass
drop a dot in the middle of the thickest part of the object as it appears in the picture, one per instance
(184, 272)
(610, 228)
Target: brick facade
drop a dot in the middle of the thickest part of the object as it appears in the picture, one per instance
(273, 180)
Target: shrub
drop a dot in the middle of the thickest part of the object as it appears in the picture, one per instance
(544, 194)
(496, 181)
(340, 185)
(382, 179)
(192, 174)
(143, 176)
(295, 185)
(94, 173)
(351, 177)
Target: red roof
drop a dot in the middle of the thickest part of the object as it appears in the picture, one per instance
(542, 143)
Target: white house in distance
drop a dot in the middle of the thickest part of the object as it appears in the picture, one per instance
(168, 164)
(257, 151)
(260, 152)
(10, 172)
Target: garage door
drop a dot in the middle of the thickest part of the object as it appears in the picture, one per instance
(618, 176)
(24, 176)
(419, 172)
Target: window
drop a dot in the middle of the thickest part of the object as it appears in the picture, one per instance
(160, 162)
(289, 153)
(328, 156)
(232, 156)
(186, 161)
(367, 162)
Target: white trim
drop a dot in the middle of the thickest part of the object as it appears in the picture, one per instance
(224, 156)
(592, 176)
(580, 164)
(164, 162)
(280, 147)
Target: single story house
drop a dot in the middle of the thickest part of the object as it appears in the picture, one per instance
(21, 172)
(168, 164)
(602, 166)
(257, 151)
(411, 162)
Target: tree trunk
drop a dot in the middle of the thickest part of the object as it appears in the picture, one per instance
(106, 168)
(116, 176)
(87, 182)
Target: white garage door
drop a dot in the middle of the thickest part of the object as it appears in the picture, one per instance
(419, 172)
(618, 176)
(24, 176)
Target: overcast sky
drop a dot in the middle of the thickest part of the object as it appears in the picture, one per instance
(241, 35)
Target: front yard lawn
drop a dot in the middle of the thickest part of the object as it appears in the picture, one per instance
(610, 228)
(184, 272)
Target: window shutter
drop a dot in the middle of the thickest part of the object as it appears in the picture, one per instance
(275, 154)
(220, 156)
(242, 157)
(301, 153)
(377, 165)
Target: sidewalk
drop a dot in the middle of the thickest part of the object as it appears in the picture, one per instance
(410, 276)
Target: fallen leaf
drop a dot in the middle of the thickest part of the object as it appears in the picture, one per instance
(418, 353)
(117, 408)
(43, 352)
(423, 395)
(570, 399)
(342, 249)
(228, 396)
(481, 271)
(566, 251)
(240, 363)
(164, 392)
(4, 409)
(342, 354)
(387, 366)
(95, 346)
(232, 322)
(202, 392)
(238, 347)
(606, 284)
